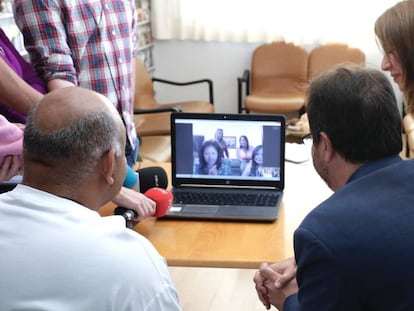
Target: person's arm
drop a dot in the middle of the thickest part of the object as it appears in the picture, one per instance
(20, 65)
(58, 83)
(136, 201)
(225, 150)
(247, 169)
(15, 92)
(51, 55)
(239, 154)
(321, 278)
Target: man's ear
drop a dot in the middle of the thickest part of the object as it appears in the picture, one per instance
(108, 166)
(326, 145)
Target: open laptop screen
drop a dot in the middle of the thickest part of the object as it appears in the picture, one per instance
(207, 149)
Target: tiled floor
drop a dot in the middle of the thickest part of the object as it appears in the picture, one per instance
(216, 289)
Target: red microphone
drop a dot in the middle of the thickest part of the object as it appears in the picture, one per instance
(163, 199)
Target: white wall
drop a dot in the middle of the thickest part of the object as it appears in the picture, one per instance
(191, 60)
(220, 62)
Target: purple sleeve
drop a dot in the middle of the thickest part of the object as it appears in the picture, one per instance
(19, 65)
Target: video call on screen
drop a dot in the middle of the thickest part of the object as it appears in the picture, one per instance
(202, 151)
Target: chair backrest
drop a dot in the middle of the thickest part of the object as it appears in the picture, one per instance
(279, 67)
(325, 57)
(144, 89)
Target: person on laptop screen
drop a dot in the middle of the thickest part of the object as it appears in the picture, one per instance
(220, 139)
(211, 159)
(353, 251)
(244, 152)
(254, 167)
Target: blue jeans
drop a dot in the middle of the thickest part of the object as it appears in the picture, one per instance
(132, 158)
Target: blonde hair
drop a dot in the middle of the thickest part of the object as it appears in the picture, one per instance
(394, 30)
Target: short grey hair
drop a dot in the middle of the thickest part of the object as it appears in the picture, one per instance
(82, 142)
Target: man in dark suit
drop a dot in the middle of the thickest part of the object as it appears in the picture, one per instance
(353, 251)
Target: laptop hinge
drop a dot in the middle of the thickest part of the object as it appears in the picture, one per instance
(228, 187)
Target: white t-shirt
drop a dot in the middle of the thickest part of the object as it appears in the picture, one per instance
(56, 254)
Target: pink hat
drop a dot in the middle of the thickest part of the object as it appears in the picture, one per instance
(11, 139)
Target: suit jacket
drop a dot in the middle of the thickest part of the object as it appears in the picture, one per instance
(355, 251)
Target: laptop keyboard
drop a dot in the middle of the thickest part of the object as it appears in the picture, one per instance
(241, 199)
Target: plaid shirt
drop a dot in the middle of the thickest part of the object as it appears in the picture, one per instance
(87, 42)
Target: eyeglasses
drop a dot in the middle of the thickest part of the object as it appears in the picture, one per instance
(307, 140)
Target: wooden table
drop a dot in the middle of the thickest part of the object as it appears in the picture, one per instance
(194, 243)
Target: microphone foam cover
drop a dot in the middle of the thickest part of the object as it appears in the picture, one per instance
(150, 177)
(130, 178)
(163, 198)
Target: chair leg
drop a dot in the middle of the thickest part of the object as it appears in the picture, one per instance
(240, 100)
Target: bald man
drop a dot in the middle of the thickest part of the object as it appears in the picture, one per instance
(58, 252)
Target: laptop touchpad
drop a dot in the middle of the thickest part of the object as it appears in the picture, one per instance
(200, 209)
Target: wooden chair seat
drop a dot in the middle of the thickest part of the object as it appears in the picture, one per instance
(155, 148)
(269, 103)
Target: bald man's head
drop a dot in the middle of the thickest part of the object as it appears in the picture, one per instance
(70, 129)
(62, 107)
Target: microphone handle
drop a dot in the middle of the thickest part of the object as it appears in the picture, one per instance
(128, 214)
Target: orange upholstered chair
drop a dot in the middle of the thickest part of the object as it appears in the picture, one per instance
(277, 80)
(326, 56)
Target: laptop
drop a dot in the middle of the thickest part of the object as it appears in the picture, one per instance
(210, 180)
